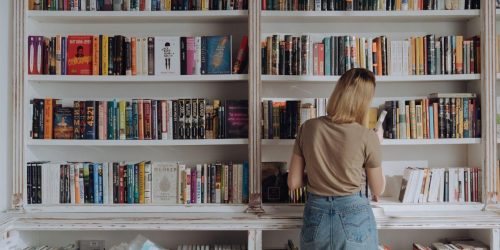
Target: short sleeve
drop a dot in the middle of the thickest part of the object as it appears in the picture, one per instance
(297, 147)
(373, 155)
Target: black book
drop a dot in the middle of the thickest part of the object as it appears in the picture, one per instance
(118, 55)
(288, 54)
(38, 119)
(187, 118)
(90, 120)
(184, 56)
(263, 52)
(442, 118)
(38, 175)
(127, 57)
(236, 119)
(181, 118)
(115, 182)
(201, 118)
(151, 56)
(29, 182)
(61, 184)
(86, 183)
(91, 183)
(175, 119)
(281, 58)
(111, 55)
(194, 119)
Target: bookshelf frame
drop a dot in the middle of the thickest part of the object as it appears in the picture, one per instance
(265, 216)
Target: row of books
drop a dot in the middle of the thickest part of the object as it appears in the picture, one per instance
(450, 244)
(120, 55)
(282, 119)
(136, 183)
(275, 185)
(139, 119)
(422, 185)
(426, 55)
(212, 247)
(439, 116)
(350, 5)
(137, 5)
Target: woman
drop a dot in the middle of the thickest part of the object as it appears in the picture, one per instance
(335, 150)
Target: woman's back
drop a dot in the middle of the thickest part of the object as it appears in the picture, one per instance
(335, 155)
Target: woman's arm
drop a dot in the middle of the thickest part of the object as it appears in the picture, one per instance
(296, 172)
(376, 180)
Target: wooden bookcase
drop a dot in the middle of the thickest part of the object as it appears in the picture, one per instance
(261, 226)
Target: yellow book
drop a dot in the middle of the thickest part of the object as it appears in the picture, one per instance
(413, 120)
(459, 61)
(141, 183)
(58, 55)
(421, 48)
(168, 5)
(372, 117)
(123, 136)
(95, 55)
(105, 52)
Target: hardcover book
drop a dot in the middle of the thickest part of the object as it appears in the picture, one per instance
(216, 55)
(167, 51)
(79, 55)
(164, 183)
(274, 182)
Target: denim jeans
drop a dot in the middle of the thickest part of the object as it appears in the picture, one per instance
(338, 222)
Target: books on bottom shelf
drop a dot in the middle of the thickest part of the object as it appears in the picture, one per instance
(431, 185)
(459, 243)
(136, 183)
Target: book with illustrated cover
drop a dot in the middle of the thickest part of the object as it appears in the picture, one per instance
(164, 183)
(79, 57)
(216, 55)
(167, 55)
(63, 123)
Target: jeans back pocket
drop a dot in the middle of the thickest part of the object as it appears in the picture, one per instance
(357, 223)
(312, 221)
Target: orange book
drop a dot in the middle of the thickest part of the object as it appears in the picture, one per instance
(77, 184)
(140, 116)
(95, 55)
(133, 45)
(374, 52)
(321, 59)
(379, 57)
(48, 118)
(436, 120)
(413, 65)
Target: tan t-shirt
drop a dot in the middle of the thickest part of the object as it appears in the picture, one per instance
(335, 155)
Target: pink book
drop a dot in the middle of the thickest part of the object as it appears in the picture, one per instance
(191, 55)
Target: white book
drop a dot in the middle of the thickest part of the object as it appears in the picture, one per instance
(187, 190)
(410, 188)
(436, 177)
(93, 5)
(167, 55)
(198, 55)
(418, 186)
(317, 5)
(147, 5)
(148, 182)
(370, 55)
(81, 183)
(406, 51)
(198, 183)
(57, 183)
(44, 184)
(72, 183)
(180, 177)
(144, 44)
(164, 183)
(105, 184)
(83, 5)
(392, 59)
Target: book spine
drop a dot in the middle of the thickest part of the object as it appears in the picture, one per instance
(151, 58)
(48, 118)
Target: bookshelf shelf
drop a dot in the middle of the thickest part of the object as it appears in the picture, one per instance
(329, 79)
(136, 79)
(498, 14)
(366, 16)
(76, 143)
(92, 17)
(465, 141)
(137, 208)
(498, 76)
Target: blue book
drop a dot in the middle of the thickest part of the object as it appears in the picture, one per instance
(328, 54)
(130, 183)
(135, 120)
(129, 122)
(431, 122)
(216, 55)
(466, 117)
(246, 175)
(95, 177)
(63, 56)
(99, 196)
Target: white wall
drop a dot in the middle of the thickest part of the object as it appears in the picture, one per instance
(5, 100)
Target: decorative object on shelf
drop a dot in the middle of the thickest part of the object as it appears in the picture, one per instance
(137, 183)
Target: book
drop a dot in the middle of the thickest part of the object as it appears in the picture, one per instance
(167, 51)
(236, 119)
(80, 55)
(216, 55)
(63, 123)
(164, 183)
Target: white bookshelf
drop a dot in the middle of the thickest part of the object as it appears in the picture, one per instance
(117, 143)
(99, 17)
(366, 16)
(136, 79)
(399, 223)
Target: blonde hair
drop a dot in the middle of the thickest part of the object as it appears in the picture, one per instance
(351, 97)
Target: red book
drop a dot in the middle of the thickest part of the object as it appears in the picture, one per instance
(241, 58)
(147, 120)
(321, 59)
(121, 188)
(316, 59)
(191, 56)
(79, 55)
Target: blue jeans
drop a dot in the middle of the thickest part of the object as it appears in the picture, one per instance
(338, 222)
